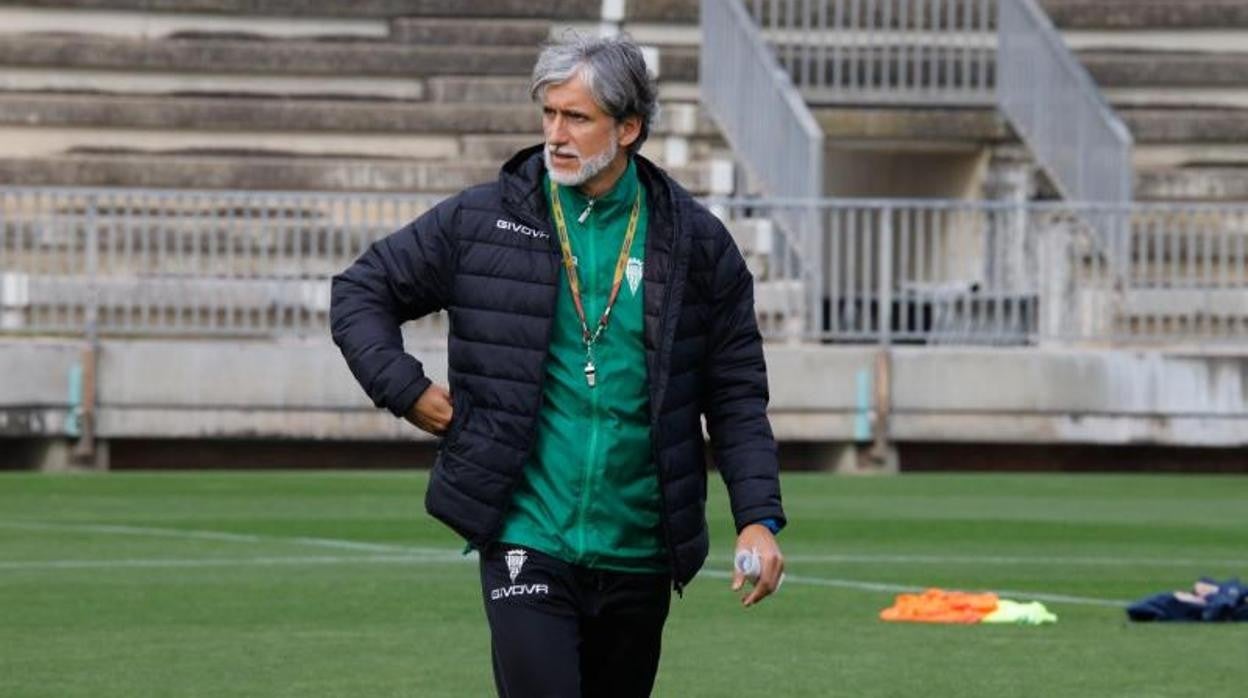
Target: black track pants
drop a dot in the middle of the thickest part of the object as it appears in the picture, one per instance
(562, 631)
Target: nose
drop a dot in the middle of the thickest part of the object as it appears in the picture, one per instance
(556, 130)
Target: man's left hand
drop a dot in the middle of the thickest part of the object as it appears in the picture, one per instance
(758, 538)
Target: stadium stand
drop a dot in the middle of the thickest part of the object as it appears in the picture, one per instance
(427, 96)
(384, 96)
(142, 141)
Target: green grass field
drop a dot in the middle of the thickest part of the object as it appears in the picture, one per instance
(314, 584)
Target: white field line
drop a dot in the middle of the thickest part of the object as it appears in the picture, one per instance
(221, 536)
(419, 555)
(909, 589)
(446, 557)
(799, 558)
(452, 557)
(1012, 560)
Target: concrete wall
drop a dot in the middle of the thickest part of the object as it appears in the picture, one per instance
(302, 390)
(908, 172)
(1049, 396)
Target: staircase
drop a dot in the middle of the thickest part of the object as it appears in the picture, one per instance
(387, 96)
(981, 99)
(1175, 74)
(158, 118)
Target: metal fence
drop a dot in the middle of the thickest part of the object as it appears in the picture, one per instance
(221, 264)
(884, 51)
(167, 262)
(957, 272)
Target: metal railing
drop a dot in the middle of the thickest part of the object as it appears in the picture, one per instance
(1057, 109)
(168, 262)
(884, 51)
(984, 273)
(767, 123)
(916, 52)
(258, 264)
(756, 106)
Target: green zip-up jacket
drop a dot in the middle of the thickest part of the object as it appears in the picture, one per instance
(590, 492)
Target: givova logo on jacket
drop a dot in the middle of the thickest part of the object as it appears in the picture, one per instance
(515, 563)
(520, 228)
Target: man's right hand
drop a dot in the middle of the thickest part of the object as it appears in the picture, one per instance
(432, 410)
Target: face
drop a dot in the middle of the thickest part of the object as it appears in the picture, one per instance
(581, 139)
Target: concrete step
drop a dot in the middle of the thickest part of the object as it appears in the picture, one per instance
(946, 125)
(1160, 156)
(678, 64)
(24, 141)
(1177, 97)
(157, 295)
(1186, 125)
(292, 117)
(164, 25)
(473, 32)
(1211, 183)
(1161, 40)
(780, 306)
(472, 88)
(450, 88)
(173, 83)
(490, 90)
(662, 11)
(1143, 14)
(570, 9)
(986, 126)
(223, 171)
(650, 22)
(292, 57)
(44, 142)
(1168, 69)
(234, 115)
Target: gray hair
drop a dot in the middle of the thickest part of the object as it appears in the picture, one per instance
(613, 69)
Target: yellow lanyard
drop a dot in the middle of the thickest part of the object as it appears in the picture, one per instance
(574, 283)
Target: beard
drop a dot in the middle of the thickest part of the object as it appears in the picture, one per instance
(589, 168)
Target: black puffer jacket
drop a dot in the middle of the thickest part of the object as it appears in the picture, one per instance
(488, 257)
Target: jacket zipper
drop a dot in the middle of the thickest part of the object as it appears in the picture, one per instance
(541, 397)
(591, 464)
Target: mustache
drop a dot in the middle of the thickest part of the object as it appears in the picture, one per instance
(567, 152)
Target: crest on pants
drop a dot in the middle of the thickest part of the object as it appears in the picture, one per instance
(515, 562)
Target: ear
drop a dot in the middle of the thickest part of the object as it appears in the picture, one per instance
(629, 130)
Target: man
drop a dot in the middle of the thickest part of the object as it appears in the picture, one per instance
(597, 313)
